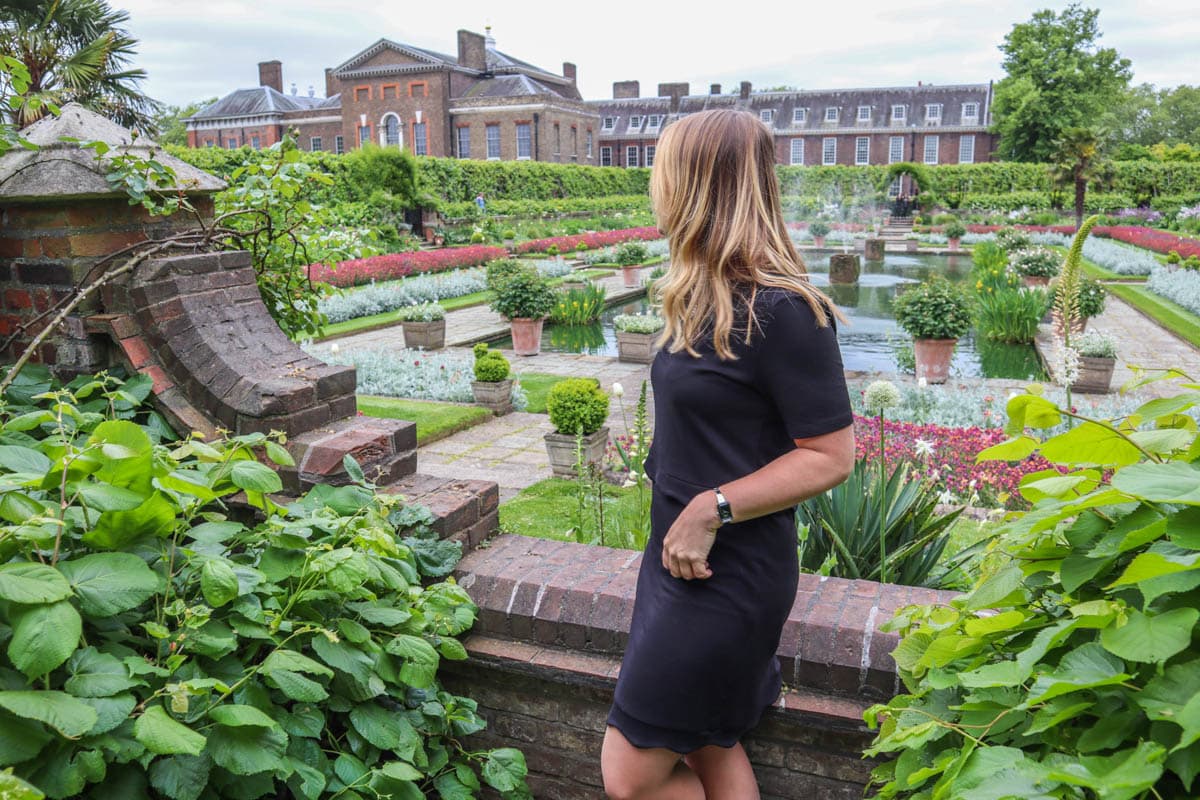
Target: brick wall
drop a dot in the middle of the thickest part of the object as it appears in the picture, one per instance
(554, 619)
(402, 95)
(243, 136)
(541, 119)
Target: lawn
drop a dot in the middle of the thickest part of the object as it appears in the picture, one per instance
(1175, 318)
(434, 420)
(537, 386)
(549, 509)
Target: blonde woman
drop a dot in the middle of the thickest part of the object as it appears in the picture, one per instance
(751, 417)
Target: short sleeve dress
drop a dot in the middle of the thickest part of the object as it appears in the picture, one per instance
(700, 666)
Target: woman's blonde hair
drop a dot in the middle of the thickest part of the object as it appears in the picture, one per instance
(716, 198)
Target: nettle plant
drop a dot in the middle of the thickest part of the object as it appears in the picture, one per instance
(157, 644)
(1072, 669)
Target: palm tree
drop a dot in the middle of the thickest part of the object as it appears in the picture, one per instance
(1077, 161)
(73, 50)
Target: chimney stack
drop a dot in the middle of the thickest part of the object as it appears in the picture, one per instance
(675, 91)
(472, 52)
(330, 84)
(745, 90)
(270, 73)
(626, 89)
(714, 88)
(569, 71)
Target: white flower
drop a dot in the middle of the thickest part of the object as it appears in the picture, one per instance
(618, 390)
(946, 497)
(881, 395)
(922, 383)
(628, 483)
(971, 484)
(923, 448)
(333, 348)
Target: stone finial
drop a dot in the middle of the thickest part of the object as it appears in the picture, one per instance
(62, 169)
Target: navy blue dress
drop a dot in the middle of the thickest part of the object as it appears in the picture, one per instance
(700, 666)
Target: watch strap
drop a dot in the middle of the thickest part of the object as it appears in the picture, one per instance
(724, 512)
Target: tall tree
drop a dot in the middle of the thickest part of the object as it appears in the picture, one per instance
(74, 50)
(170, 123)
(1058, 78)
(1077, 161)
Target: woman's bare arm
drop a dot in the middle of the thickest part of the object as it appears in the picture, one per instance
(817, 464)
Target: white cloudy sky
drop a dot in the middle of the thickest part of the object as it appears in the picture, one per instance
(197, 50)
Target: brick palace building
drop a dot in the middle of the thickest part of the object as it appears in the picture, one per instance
(484, 104)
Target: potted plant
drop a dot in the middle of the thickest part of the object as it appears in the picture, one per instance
(492, 387)
(424, 325)
(1091, 304)
(912, 242)
(553, 252)
(631, 256)
(509, 236)
(477, 236)
(636, 335)
(580, 250)
(818, 230)
(1035, 265)
(439, 237)
(525, 299)
(1097, 357)
(954, 232)
(1173, 260)
(935, 313)
(578, 409)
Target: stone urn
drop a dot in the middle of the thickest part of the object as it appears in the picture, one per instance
(635, 348)
(911, 245)
(527, 335)
(874, 249)
(933, 358)
(1095, 375)
(844, 268)
(494, 395)
(631, 274)
(425, 335)
(560, 447)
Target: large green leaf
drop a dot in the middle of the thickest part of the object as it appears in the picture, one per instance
(128, 455)
(1086, 667)
(20, 739)
(106, 497)
(294, 662)
(111, 712)
(239, 716)
(29, 583)
(385, 729)
(1153, 565)
(297, 687)
(1017, 449)
(218, 582)
(162, 734)
(1090, 443)
(43, 637)
(117, 529)
(255, 477)
(420, 659)
(247, 750)
(1151, 638)
(1120, 776)
(180, 777)
(96, 674)
(505, 769)
(13, 788)
(68, 715)
(110, 583)
(24, 460)
(1172, 482)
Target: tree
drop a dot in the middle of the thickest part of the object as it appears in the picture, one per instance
(1148, 116)
(170, 123)
(1057, 79)
(74, 50)
(1077, 161)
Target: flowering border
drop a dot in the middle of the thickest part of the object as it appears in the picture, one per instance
(400, 265)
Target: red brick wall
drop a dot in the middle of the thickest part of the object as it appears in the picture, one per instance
(542, 143)
(402, 95)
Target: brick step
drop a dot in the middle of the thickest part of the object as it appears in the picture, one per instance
(465, 511)
(386, 449)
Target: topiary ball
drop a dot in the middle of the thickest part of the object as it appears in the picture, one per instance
(577, 405)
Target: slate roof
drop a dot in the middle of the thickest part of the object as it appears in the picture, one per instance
(257, 101)
(519, 85)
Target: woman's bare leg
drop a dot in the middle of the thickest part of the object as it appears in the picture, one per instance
(634, 773)
(725, 773)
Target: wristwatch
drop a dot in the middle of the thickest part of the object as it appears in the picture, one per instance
(724, 512)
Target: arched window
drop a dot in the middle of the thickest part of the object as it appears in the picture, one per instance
(391, 130)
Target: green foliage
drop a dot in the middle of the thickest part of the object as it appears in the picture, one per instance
(954, 230)
(1153, 122)
(577, 405)
(1011, 240)
(373, 168)
(1091, 297)
(1057, 78)
(158, 644)
(818, 228)
(421, 312)
(918, 172)
(14, 84)
(1097, 345)
(631, 254)
(1077, 161)
(169, 125)
(1067, 290)
(500, 270)
(1011, 315)
(1071, 668)
(639, 323)
(1173, 257)
(524, 295)
(490, 365)
(936, 309)
(579, 306)
(1035, 262)
(458, 180)
(839, 530)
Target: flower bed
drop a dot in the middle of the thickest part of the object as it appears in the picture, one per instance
(400, 265)
(1139, 236)
(566, 244)
(1181, 287)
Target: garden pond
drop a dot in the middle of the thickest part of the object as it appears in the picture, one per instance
(870, 341)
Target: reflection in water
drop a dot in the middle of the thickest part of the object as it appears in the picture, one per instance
(870, 338)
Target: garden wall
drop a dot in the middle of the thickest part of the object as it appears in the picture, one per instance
(553, 622)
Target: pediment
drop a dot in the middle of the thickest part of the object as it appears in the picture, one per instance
(386, 53)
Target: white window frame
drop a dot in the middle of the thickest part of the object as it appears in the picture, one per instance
(797, 154)
(902, 116)
(631, 150)
(232, 143)
(862, 150)
(588, 140)
(933, 113)
(970, 117)
(864, 117)
(383, 130)
(935, 141)
(966, 147)
(635, 123)
(421, 143)
(767, 115)
(488, 140)
(654, 122)
(315, 144)
(648, 156)
(799, 116)
(608, 124)
(895, 149)
(894, 187)
(256, 143)
(829, 151)
(528, 127)
(458, 141)
(339, 145)
(835, 116)
(605, 156)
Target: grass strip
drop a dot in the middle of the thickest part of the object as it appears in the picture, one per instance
(537, 386)
(434, 420)
(549, 509)
(1175, 318)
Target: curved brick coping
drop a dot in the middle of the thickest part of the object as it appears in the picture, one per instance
(580, 598)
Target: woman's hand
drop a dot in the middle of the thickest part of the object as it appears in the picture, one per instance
(686, 545)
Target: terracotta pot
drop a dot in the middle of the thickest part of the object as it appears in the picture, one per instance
(560, 447)
(953, 243)
(933, 358)
(818, 241)
(911, 245)
(426, 335)
(1035, 280)
(494, 395)
(1095, 375)
(527, 336)
(635, 348)
(631, 274)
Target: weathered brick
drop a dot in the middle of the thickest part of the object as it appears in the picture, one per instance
(136, 351)
(18, 299)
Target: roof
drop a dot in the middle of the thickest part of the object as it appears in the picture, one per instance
(257, 101)
(519, 85)
(64, 169)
